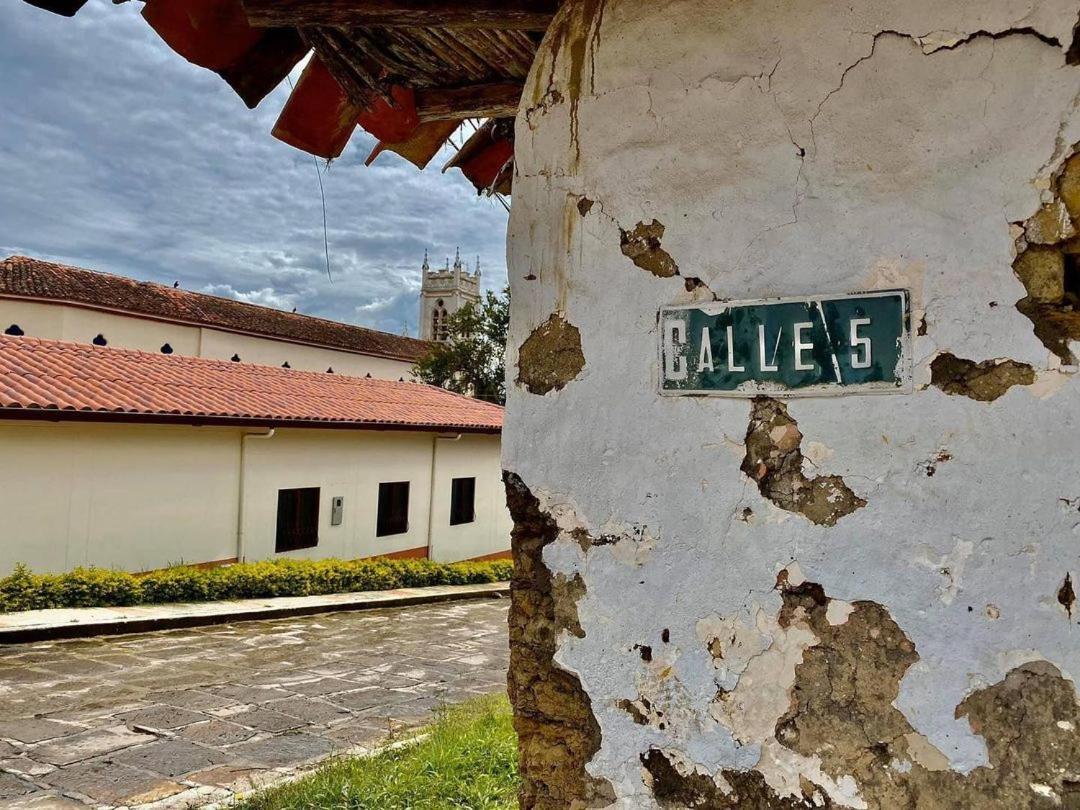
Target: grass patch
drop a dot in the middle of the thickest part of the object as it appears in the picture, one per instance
(99, 587)
(468, 760)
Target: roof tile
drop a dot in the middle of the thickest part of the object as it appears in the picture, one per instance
(86, 380)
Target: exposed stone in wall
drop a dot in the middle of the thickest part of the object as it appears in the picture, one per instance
(739, 791)
(557, 731)
(843, 712)
(551, 356)
(774, 460)
(1048, 264)
(642, 246)
(985, 381)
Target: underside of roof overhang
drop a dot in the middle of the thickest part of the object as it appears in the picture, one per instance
(409, 72)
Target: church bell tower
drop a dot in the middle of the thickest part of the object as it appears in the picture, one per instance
(443, 292)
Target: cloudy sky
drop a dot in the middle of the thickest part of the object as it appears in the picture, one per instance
(117, 155)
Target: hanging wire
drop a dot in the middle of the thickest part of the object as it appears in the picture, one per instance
(322, 196)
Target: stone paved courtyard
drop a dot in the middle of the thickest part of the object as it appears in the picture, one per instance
(189, 717)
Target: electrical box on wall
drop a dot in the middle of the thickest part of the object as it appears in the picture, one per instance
(337, 511)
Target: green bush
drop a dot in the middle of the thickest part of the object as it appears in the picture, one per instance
(98, 587)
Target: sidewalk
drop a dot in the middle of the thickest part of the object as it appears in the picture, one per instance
(185, 718)
(47, 625)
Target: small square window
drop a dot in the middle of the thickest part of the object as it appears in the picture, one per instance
(393, 509)
(462, 501)
(297, 519)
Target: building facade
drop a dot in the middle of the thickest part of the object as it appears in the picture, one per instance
(444, 292)
(136, 458)
(56, 302)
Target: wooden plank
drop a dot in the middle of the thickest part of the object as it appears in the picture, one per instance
(522, 15)
(472, 101)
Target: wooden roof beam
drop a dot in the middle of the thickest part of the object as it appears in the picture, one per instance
(499, 100)
(522, 15)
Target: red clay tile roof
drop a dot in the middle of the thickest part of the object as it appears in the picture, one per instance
(25, 277)
(52, 379)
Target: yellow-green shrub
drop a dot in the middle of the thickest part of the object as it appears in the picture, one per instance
(97, 587)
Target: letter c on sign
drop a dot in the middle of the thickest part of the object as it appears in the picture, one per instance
(674, 363)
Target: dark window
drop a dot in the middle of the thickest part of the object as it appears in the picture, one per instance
(166, 349)
(297, 519)
(14, 331)
(286, 364)
(236, 358)
(462, 501)
(393, 509)
(100, 341)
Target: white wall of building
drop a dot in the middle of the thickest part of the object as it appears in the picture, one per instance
(795, 149)
(140, 497)
(130, 497)
(81, 325)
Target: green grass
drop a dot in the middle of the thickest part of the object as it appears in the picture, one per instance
(468, 760)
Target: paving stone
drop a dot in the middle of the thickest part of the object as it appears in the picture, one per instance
(43, 800)
(324, 686)
(359, 701)
(33, 730)
(265, 720)
(113, 784)
(68, 750)
(284, 750)
(12, 787)
(194, 700)
(25, 766)
(315, 712)
(166, 717)
(237, 779)
(217, 732)
(171, 757)
(363, 735)
(248, 694)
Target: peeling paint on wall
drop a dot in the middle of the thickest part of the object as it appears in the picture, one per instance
(774, 460)
(642, 247)
(984, 382)
(853, 601)
(551, 357)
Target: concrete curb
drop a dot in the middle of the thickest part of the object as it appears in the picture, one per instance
(51, 625)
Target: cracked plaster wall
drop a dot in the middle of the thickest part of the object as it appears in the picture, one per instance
(797, 148)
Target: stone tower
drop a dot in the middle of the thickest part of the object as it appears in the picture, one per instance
(443, 293)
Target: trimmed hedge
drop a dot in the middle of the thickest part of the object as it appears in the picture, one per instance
(98, 587)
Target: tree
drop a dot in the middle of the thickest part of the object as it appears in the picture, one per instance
(472, 360)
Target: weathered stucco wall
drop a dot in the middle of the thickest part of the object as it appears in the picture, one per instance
(860, 601)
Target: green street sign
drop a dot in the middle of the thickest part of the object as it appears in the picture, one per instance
(815, 346)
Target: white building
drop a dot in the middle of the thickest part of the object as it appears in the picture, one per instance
(444, 292)
(136, 459)
(57, 302)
